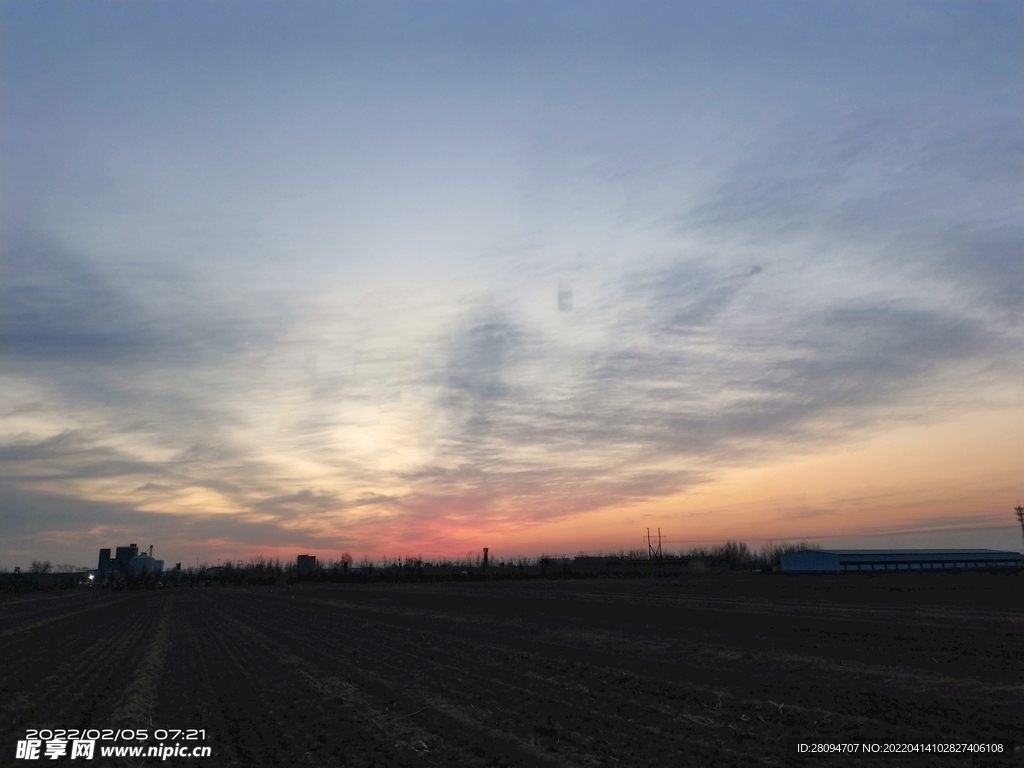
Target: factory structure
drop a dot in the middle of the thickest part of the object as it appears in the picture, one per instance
(128, 563)
(873, 560)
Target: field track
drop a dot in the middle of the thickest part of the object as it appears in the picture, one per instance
(721, 669)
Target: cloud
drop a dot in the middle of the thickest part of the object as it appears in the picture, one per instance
(922, 191)
(56, 307)
(78, 527)
(754, 275)
(69, 455)
(479, 361)
(689, 295)
(152, 487)
(695, 373)
(990, 260)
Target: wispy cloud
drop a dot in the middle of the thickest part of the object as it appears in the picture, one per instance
(338, 307)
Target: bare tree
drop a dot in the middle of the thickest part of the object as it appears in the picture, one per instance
(346, 562)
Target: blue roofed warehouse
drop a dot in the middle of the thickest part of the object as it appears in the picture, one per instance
(846, 560)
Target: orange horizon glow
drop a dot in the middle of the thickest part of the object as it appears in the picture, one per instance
(959, 474)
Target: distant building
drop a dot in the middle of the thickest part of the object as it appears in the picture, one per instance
(124, 555)
(867, 560)
(106, 564)
(127, 561)
(306, 565)
(146, 565)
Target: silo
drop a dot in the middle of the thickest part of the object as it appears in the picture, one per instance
(144, 565)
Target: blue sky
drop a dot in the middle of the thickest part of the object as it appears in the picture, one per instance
(281, 275)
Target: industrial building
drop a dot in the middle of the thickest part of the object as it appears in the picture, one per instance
(128, 562)
(120, 563)
(861, 560)
(106, 563)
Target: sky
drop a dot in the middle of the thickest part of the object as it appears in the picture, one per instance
(412, 279)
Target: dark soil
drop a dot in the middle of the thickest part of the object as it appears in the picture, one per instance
(717, 669)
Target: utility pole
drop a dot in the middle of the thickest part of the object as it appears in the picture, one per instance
(1020, 517)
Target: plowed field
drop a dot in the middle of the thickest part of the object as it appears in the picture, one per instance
(721, 669)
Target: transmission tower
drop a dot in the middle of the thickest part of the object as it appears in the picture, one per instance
(1020, 517)
(653, 553)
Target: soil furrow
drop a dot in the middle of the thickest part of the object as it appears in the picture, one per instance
(845, 693)
(475, 741)
(721, 670)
